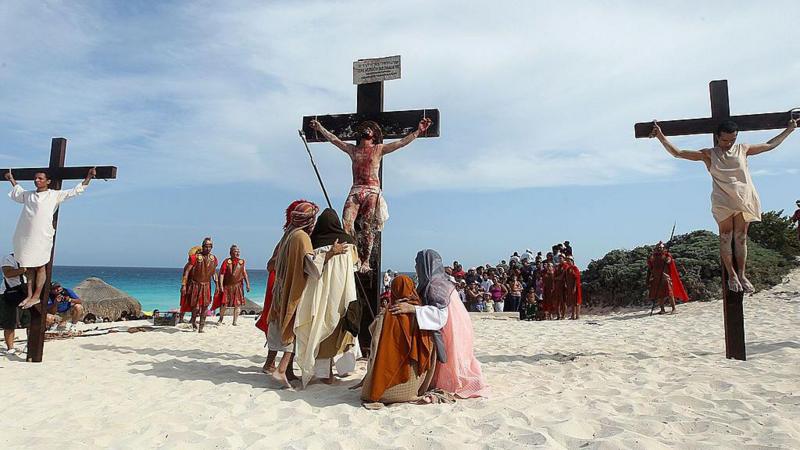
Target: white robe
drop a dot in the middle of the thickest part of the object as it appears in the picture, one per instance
(33, 239)
(325, 300)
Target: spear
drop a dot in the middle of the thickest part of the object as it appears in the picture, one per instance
(314, 165)
(327, 199)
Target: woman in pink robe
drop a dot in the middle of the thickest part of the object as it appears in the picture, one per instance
(457, 369)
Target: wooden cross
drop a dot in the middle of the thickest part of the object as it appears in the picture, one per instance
(394, 125)
(720, 111)
(57, 173)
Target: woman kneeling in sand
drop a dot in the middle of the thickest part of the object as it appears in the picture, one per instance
(416, 326)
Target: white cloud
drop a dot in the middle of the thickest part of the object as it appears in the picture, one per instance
(531, 93)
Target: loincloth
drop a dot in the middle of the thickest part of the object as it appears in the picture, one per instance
(359, 194)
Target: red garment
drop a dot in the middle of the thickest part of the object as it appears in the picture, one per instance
(573, 274)
(677, 285)
(262, 323)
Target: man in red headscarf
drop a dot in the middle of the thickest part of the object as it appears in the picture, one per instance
(294, 262)
(664, 281)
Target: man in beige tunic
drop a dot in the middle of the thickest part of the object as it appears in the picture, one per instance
(734, 200)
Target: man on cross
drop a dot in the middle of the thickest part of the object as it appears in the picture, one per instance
(33, 238)
(365, 199)
(734, 200)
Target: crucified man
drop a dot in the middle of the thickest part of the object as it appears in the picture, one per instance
(734, 200)
(33, 238)
(365, 199)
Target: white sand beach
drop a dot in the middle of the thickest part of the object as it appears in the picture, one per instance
(623, 380)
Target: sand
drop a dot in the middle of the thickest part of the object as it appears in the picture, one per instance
(620, 380)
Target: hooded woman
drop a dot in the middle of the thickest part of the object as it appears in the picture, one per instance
(402, 354)
(457, 370)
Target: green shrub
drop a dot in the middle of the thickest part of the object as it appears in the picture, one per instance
(619, 278)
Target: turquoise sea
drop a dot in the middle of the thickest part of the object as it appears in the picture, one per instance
(155, 288)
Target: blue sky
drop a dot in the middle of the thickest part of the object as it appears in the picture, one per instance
(198, 104)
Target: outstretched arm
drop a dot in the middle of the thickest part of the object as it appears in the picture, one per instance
(755, 149)
(691, 155)
(421, 128)
(332, 138)
(10, 178)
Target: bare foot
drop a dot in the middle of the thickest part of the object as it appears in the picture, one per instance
(365, 268)
(734, 285)
(233, 324)
(747, 285)
(194, 325)
(28, 302)
(279, 380)
(673, 312)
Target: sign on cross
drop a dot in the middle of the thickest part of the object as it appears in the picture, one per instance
(394, 125)
(57, 173)
(720, 111)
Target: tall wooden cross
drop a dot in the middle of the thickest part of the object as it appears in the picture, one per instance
(57, 173)
(394, 125)
(720, 111)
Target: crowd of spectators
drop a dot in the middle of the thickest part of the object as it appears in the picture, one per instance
(520, 284)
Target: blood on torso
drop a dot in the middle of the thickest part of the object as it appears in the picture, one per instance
(366, 165)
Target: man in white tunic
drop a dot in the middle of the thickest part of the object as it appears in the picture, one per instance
(33, 238)
(734, 200)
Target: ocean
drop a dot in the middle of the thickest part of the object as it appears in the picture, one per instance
(155, 288)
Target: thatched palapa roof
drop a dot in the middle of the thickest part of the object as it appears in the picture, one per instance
(104, 300)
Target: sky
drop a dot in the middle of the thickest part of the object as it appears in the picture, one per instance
(198, 105)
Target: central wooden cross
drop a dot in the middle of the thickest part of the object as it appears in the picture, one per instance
(720, 111)
(394, 125)
(57, 173)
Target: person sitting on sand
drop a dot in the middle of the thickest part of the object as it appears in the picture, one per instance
(65, 303)
(457, 370)
(401, 356)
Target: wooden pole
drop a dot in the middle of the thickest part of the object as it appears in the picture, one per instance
(732, 302)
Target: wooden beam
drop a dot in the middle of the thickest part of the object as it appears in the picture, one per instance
(394, 124)
(63, 173)
(746, 122)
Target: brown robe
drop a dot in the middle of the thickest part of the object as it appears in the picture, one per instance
(660, 283)
(290, 281)
(198, 287)
(403, 348)
(232, 282)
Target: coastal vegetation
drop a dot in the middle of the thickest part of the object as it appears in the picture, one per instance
(619, 278)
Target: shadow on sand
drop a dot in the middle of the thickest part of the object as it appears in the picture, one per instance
(201, 367)
(759, 348)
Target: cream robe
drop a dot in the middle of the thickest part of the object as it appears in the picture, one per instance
(733, 190)
(324, 301)
(33, 238)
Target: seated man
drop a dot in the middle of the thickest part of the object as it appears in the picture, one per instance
(65, 303)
